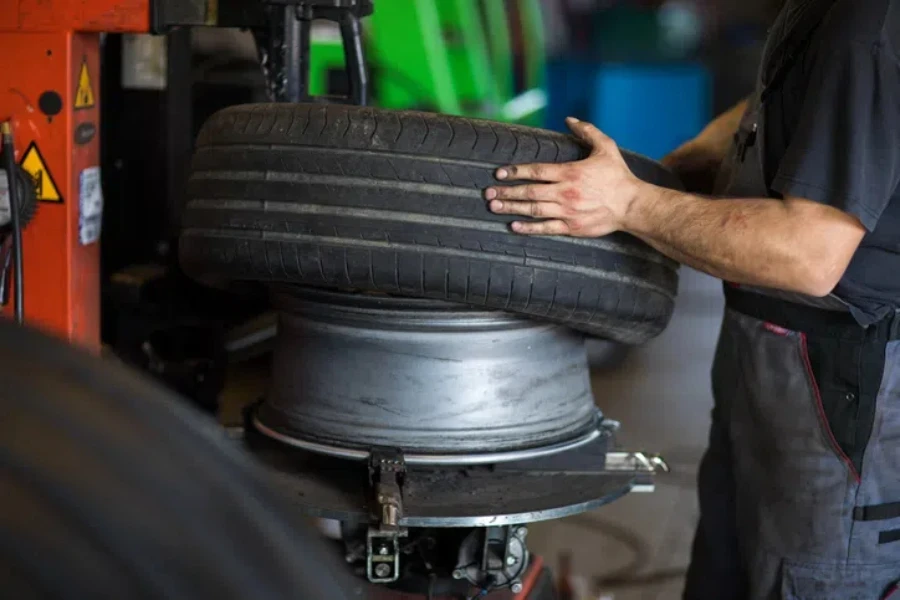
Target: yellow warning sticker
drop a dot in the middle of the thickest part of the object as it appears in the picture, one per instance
(44, 185)
(84, 93)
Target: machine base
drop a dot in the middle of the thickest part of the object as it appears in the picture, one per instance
(471, 496)
(538, 584)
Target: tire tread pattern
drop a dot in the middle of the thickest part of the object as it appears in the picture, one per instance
(261, 171)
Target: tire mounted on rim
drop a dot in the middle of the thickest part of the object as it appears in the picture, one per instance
(391, 201)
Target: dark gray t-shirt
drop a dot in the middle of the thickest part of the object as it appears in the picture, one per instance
(833, 136)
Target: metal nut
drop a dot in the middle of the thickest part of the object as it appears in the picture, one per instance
(458, 574)
(382, 570)
(516, 587)
(521, 532)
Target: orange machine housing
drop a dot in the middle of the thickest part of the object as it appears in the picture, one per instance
(45, 44)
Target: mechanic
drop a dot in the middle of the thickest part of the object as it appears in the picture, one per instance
(800, 485)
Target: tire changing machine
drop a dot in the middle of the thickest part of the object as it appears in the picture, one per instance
(432, 433)
(429, 434)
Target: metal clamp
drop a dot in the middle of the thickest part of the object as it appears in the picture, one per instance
(386, 472)
(644, 466)
(636, 461)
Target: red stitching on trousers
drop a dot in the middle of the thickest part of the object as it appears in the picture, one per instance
(804, 347)
(776, 329)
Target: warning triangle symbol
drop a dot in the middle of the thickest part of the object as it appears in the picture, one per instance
(84, 93)
(44, 186)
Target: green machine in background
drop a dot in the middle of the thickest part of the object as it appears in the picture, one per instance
(478, 58)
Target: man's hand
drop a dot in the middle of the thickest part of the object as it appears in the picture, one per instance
(587, 198)
(698, 161)
(696, 164)
(792, 244)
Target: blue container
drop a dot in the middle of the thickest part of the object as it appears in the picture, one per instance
(651, 109)
(569, 91)
(647, 108)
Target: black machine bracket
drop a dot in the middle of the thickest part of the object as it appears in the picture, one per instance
(282, 32)
(284, 47)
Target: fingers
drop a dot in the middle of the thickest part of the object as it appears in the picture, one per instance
(554, 227)
(540, 192)
(548, 172)
(556, 172)
(589, 133)
(538, 210)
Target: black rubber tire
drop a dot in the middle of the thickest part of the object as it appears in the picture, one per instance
(392, 201)
(114, 488)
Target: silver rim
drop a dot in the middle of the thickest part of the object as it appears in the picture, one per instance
(356, 372)
(433, 459)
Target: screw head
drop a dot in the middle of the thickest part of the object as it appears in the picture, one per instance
(516, 587)
(382, 570)
(383, 550)
(511, 560)
(349, 558)
(458, 574)
(521, 532)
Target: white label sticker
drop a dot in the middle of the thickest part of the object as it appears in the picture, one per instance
(90, 205)
(5, 216)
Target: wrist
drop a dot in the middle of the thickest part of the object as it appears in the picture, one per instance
(639, 208)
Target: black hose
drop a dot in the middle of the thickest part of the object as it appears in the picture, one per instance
(9, 154)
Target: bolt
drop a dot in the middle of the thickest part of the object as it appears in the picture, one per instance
(516, 587)
(383, 550)
(390, 515)
(458, 574)
(511, 560)
(382, 570)
(521, 532)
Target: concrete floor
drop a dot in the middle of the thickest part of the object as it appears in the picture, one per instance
(638, 547)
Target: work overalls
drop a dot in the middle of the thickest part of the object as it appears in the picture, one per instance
(800, 485)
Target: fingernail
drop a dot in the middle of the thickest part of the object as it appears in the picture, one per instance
(490, 193)
(496, 205)
(572, 120)
(516, 226)
(502, 173)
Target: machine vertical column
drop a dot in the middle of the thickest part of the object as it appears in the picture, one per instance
(51, 93)
(53, 102)
(83, 243)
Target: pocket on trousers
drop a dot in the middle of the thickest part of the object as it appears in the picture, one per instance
(830, 582)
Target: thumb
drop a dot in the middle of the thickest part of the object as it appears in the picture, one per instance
(586, 132)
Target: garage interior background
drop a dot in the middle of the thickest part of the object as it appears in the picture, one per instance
(650, 73)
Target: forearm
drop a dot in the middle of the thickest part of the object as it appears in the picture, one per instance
(720, 131)
(759, 241)
(678, 256)
(698, 161)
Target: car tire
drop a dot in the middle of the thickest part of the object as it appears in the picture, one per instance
(392, 201)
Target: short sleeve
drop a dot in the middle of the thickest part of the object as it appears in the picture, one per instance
(845, 148)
